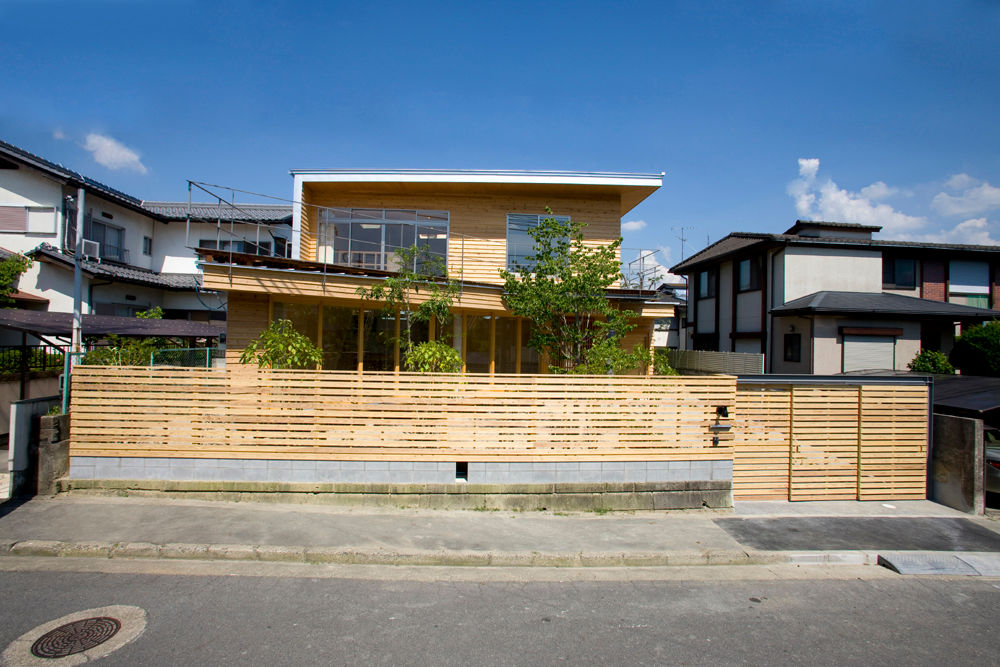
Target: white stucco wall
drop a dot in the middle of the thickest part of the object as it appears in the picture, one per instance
(748, 311)
(172, 245)
(25, 187)
(783, 325)
(810, 270)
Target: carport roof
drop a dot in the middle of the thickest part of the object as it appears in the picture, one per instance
(41, 323)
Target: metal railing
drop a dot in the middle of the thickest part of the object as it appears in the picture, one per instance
(33, 359)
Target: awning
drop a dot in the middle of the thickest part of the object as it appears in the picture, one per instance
(40, 323)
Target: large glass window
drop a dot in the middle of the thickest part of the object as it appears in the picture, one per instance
(506, 347)
(368, 238)
(380, 344)
(899, 273)
(110, 238)
(340, 338)
(304, 317)
(520, 245)
(477, 344)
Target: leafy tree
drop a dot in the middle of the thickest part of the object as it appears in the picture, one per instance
(977, 350)
(931, 361)
(661, 364)
(426, 274)
(281, 346)
(562, 289)
(129, 350)
(11, 269)
(433, 357)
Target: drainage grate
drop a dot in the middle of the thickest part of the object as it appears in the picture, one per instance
(75, 637)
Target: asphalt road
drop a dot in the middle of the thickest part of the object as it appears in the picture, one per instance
(713, 616)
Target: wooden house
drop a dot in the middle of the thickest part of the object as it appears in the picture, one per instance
(347, 225)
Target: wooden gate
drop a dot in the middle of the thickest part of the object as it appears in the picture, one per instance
(812, 441)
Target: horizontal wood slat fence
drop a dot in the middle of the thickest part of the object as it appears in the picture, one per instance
(243, 412)
(830, 442)
(797, 442)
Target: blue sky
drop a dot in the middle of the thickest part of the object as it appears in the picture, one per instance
(759, 113)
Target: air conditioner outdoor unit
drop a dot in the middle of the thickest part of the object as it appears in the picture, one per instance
(92, 250)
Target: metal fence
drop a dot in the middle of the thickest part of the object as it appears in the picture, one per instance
(708, 362)
(33, 358)
(188, 357)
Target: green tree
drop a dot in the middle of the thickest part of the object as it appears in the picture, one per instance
(562, 290)
(661, 363)
(422, 275)
(977, 350)
(281, 346)
(931, 361)
(129, 350)
(11, 269)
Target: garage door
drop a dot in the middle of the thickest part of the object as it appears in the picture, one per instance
(868, 352)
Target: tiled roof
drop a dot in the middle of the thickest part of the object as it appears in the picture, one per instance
(120, 272)
(880, 303)
(73, 177)
(175, 210)
(849, 226)
(738, 241)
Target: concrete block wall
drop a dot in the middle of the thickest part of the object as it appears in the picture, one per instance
(394, 472)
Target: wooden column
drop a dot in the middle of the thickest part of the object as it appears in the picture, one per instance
(395, 346)
(517, 346)
(493, 343)
(361, 340)
(319, 334)
(465, 345)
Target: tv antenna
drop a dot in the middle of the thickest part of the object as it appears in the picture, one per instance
(681, 237)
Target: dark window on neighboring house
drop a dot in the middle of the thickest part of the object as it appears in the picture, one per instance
(748, 274)
(793, 347)
(147, 246)
(707, 284)
(899, 273)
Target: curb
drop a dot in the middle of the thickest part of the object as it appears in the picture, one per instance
(348, 556)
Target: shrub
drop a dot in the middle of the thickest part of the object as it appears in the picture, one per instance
(661, 364)
(433, 357)
(931, 361)
(281, 346)
(977, 350)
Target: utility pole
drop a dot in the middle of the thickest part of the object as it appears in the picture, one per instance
(77, 340)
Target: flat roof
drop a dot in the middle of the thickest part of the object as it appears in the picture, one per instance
(478, 176)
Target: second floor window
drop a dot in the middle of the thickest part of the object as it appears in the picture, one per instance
(707, 284)
(749, 274)
(520, 245)
(899, 273)
(368, 238)
(110, 238)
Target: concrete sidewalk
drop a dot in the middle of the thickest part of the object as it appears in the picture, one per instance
(149, 527)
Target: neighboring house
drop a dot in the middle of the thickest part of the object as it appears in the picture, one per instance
(137, 254)
(827, 298)
(671, 332)
(348, 224)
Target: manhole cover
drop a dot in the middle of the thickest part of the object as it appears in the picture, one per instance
(75, 637)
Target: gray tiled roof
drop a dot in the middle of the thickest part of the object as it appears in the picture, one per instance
(69, 175)
(120, 272)
(175, 210)
(880, 303)
(738, 241)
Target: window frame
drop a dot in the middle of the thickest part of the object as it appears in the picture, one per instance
(708, 283)
(754, 275)
(512, 261)
(890, 272)
(792, 348)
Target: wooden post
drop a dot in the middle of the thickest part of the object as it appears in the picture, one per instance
(517, 346)
(858, 466)
(395, 346)
(361, 340)
(791, 435)
(319, 334)
(431, 329)
(493, 343)
(465, 345)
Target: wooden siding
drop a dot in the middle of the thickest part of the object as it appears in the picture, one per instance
(477, 239)
(865, 442)
(248, 316)
(326, 415)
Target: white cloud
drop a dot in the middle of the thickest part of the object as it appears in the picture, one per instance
(878, 190)
(974, 197)
(652, 267)
(828, 201)
(633, 225)
(112, 154)
(58, 134)
(975, 231)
